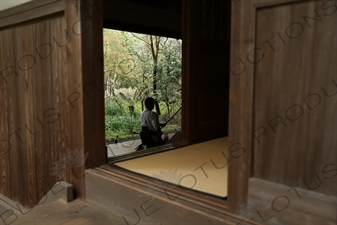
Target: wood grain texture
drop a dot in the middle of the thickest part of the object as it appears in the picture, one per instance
(298, 119)
(28, 119)
(44, 95)
(281, 52)
(93, 83)
(175, 205)
(25, 7)
(13, 96)
(25, 122)
(5, 145)
(62, 213)
(55, 111)
(30, 11)
(26, 50)
(72, 86)
(305, 206)
(240, 108)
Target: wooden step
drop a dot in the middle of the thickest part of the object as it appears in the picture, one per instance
(56, 208)
(12, 212)
(142, 200)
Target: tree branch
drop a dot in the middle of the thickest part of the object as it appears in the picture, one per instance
(154, 55)
(140, 39)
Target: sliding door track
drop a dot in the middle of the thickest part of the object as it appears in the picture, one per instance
(140, 153)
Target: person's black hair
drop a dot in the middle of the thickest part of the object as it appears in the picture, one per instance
(149, 101)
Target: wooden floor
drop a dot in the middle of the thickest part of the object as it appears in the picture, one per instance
(59, 212)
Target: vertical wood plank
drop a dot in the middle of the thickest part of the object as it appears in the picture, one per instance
(93, 83)
(12, 75)
(188, 81)
(5, 145)
(44, 98)
(249, 77)
(43, 92)
(26, 63)
(58, 118)
(73, 83)
(287, 152)
(241, 100)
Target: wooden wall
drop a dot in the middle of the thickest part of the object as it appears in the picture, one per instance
(46, 98)
(283, 95)
(295, 125)
(206, 28)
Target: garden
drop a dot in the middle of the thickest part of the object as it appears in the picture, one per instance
(138, 66)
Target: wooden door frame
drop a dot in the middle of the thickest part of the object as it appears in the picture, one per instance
(243, 37)
(187, 116)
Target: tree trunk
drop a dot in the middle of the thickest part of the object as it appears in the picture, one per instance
(155, 51)
(155, 87)
(168, 109)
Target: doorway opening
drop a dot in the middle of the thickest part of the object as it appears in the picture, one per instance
(205, 95)
(138, 66)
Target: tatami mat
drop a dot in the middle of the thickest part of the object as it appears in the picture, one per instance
(202, 167)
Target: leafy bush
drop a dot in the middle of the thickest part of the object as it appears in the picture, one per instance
(124, 126)
(113, 109)
(130, 123)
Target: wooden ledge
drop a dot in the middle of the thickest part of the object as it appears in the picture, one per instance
(127, 194)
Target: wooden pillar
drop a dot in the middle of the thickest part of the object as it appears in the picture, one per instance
(85, 74)
(93, 83)
(241, 97)
(73, 89)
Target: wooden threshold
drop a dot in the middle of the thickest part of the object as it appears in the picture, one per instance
(130, 189)
(195, 197)
(212, 200)
(140, 153)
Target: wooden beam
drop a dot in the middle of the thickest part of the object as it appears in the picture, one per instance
(241, 107)
(93, 82)
(73, 83)
(30, 11)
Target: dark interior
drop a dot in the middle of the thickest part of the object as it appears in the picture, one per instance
(157, 17)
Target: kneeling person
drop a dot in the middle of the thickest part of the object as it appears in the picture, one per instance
(151, 128)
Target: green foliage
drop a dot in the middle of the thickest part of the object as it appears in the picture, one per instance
(113, 109)
(131, 62)
(121, 126)
(124, 124)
